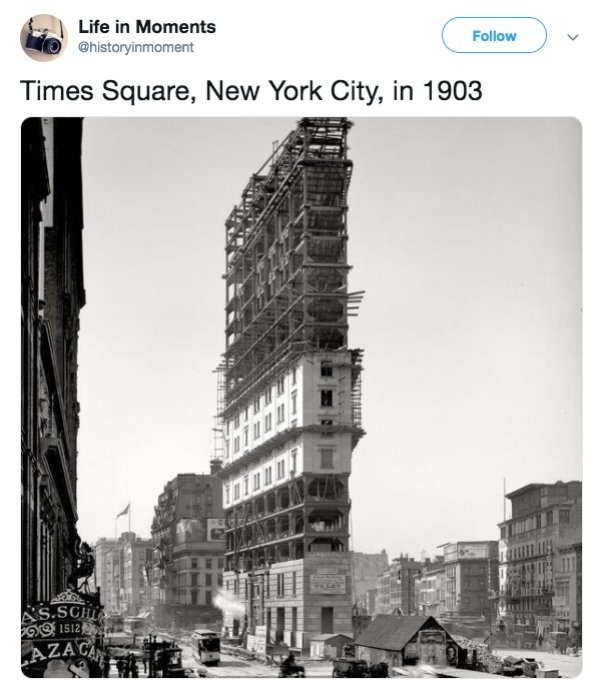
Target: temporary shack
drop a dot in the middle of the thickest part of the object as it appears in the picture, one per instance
(328, 645)
(402, 640)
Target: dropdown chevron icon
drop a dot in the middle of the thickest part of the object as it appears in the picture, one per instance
(573, 37)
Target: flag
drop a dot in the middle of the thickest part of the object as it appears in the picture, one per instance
(125, 511)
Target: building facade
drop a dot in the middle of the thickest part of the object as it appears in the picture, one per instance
(366, 568)
(123, 570)
(540, 560)
(52, 294)
(471, 577)
(290, 407)
(431, 588)
(188, 549)
(397, 587)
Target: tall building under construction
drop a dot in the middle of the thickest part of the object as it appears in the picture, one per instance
(290, 393)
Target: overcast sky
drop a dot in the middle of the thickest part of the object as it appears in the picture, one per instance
(465, 234)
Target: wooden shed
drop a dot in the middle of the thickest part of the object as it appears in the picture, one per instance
(328, 645)
(401, 640)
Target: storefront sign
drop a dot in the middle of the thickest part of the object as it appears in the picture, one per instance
(327, 584)
(62, 638)
(216, 529)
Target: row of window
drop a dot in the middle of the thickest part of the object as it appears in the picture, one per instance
(274, 585)
(529, 550)
(536, 522)
(195, 580)
(183, 563)
(242, 488)
(326, 371)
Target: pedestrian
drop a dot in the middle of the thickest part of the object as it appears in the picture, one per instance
(134, 668)
(145, 662)
(126, 667)
(106, 666)
(120, 666)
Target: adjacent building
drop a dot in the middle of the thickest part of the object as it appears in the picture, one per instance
(291, 402)
(52, 295)
(123, 570)
(366, 568)
(540, 561)
(397, 587)
(431, 588)
(188, 549)
(471, 577)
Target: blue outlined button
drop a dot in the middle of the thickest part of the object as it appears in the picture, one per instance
(494, 35)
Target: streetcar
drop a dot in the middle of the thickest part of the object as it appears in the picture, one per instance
(206, 646)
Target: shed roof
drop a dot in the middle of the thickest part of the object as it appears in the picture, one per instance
(392, 632)
(330, 636)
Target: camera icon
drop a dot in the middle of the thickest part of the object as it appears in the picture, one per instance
(43, 37)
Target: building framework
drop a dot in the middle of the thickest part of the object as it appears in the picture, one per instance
(291, 405)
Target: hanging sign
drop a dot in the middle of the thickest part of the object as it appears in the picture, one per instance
(63, 638)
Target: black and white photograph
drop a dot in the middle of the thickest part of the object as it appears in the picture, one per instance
(301, 397)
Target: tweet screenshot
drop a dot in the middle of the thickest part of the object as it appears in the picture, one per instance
(302, 338)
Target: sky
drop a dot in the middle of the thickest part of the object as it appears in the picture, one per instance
(465, 235)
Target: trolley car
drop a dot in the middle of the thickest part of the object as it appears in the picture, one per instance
(206, 646)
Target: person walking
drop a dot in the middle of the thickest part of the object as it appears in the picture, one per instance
(133, 667)
(106, 666)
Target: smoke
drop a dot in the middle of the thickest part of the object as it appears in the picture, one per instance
(229, 604)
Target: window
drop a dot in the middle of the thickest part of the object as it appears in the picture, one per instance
(257, 405)
(280, 584)
(194, 563)
(257, 430)
(236, 421)
(246, 436)
(208, 598)
(294, 403)
(294, 617)
(194, 597)
(268, 475)
(268, 423)
(326, 457)
(280, 469)
(280, 413)
(293, 457)
(268, 396)
(194, 580)
(208, 564)
(209, 580)
(226, 449)
(236, 491)
(236, 445)
(294, 590)
(326, 369)
(293, 376)
(226, 494)
(327, 397)
(246, 415)
(564, 516)
(246, 486)
(326, 422)
(257, 481)
(280, 386)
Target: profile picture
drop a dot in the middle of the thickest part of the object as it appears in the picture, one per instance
(44, 37)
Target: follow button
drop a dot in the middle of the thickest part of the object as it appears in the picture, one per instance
(494, 34)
